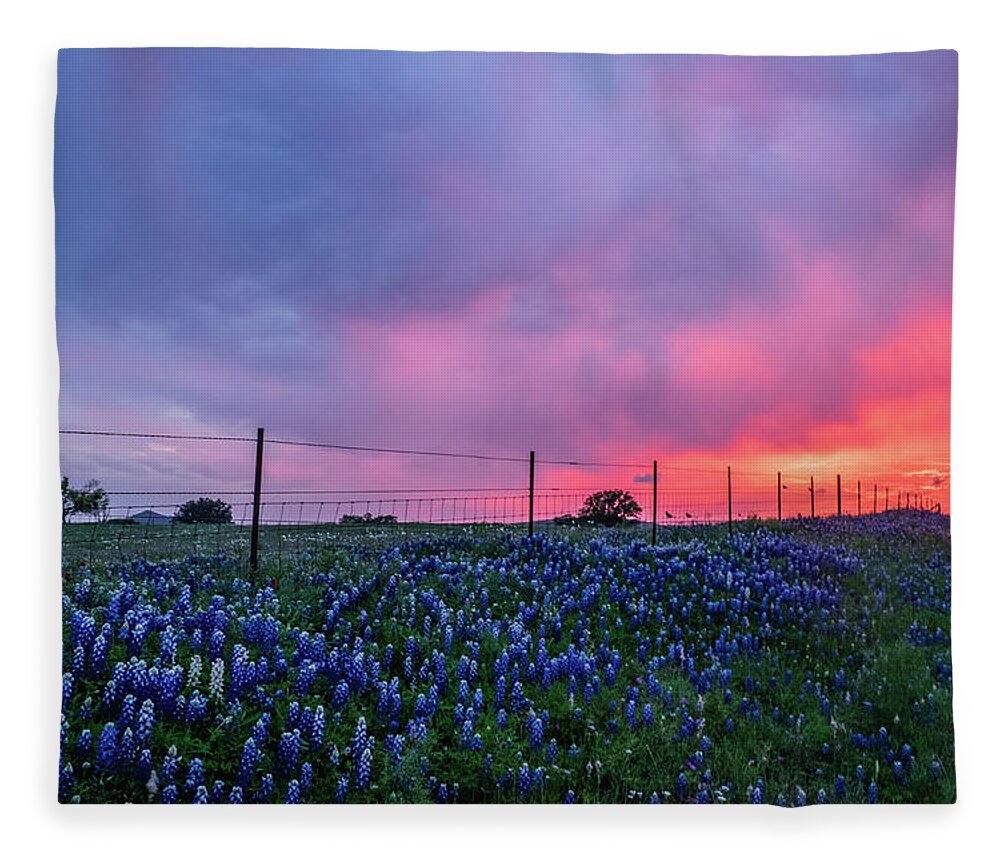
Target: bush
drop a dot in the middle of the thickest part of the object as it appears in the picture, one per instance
(204, 511)
(367, 520)
(610, 507)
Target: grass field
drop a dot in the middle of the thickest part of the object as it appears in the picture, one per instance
(792, 664)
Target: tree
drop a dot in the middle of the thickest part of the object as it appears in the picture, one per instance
(89, 499)
(610, 507)
(204, 511)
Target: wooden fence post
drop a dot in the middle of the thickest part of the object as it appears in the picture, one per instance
(812, 497)
(838, 496)
(859, 498)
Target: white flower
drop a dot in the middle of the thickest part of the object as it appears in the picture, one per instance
(217, 679)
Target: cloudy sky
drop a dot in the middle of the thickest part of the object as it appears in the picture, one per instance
(706, 260)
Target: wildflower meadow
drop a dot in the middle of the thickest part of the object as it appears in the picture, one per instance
(793, 663)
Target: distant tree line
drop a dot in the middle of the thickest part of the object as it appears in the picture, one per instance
(367, 520)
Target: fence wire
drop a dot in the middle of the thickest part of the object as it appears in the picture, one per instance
(149, 523)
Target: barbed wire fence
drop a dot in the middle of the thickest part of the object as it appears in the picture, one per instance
(279, 522)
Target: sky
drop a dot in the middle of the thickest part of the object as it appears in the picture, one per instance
(703, 260)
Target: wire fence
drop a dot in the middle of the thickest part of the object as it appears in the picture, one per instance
(495, 490)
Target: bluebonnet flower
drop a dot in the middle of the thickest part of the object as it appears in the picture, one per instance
(306, 777)
(340, 793)
(363, 773)
(67, 782)
(201, 795)
(107, 747)
(145, 722)
(288, 752)
(195, 775)
(127, 751)
(840, 787)
(236, 795)
(85, 742)
(78, 661)
(249, 759)
(266, 790)
(872, 792)
(552, 750)
(128, 712)
(535, 732)
(261, 729)
(67, 690)
(570, 797)
(394, 748)
(143, 765)
(293, 795)
(523, 780)
(169, 794)
(197, 707)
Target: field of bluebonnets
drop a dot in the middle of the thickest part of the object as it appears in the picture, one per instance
(801, 663)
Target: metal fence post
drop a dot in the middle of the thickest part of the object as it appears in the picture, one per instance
(859, 498)
(654, 501)
(729, 485)
(838, 496)
(779, 497)
(255, 525)
(531, 494)
(812, 497)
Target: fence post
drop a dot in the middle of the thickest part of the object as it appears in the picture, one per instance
(779, 497)
(838, 496)
(531, 494)
(654, 500)
(875, 499)
(812, 497)
(859, 498)
(729, 484)
(255, 526)
(907, 501)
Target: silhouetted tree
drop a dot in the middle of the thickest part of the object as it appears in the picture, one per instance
(609, 507)
(88, 499)
(204, 511)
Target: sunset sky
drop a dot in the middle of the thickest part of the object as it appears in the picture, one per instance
(706, 260)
